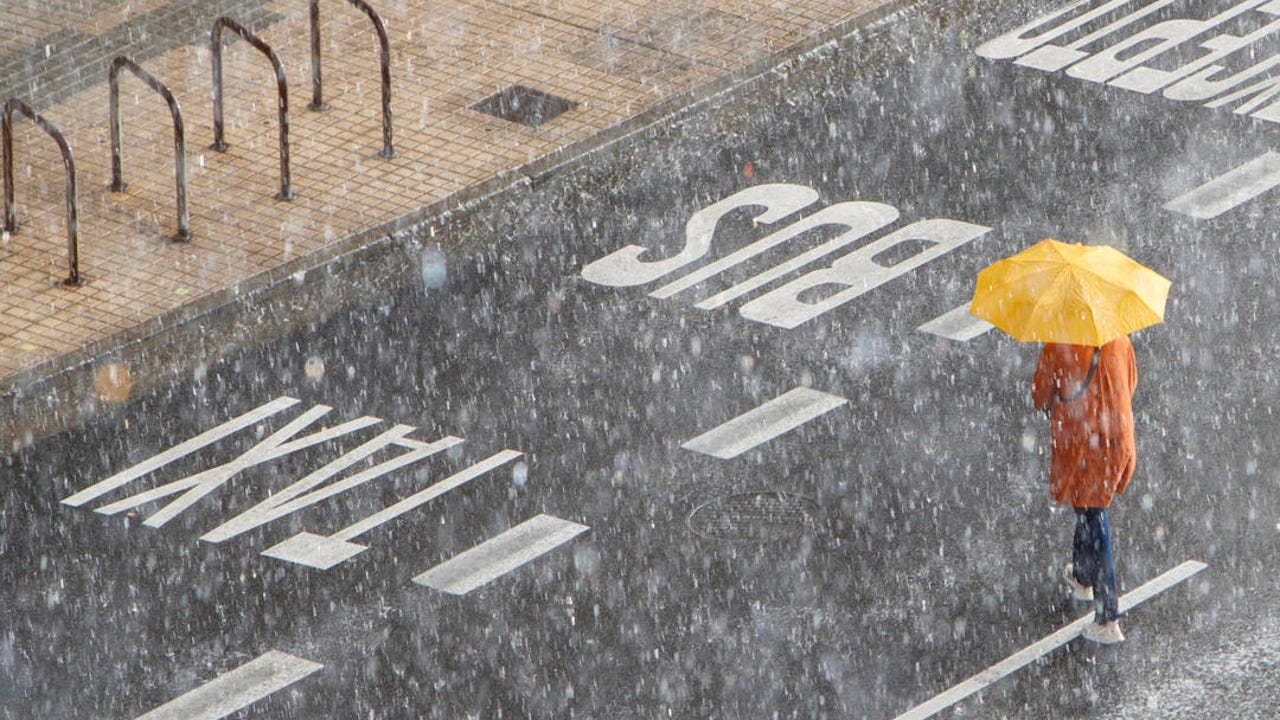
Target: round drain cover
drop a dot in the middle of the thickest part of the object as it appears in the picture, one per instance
(755, 516)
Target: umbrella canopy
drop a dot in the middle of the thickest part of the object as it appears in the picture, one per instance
(1077, 294)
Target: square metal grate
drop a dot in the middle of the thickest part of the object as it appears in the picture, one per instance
(524, 105)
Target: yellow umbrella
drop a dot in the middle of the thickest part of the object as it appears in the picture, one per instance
(1077, 294)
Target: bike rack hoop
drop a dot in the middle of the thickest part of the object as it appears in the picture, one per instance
(384, 56)
(282, 95)
(6, 149)
(179, 138)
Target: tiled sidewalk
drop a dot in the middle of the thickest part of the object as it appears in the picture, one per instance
(617, 59)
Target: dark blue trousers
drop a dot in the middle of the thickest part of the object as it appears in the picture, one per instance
(1094, 565)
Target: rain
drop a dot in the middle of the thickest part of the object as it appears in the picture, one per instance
(639, 380)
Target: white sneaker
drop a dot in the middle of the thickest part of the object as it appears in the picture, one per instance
(1107, 633)
(1079, 592)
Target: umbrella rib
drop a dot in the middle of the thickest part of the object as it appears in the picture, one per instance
(1036, 309)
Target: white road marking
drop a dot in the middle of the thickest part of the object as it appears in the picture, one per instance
(1123, 63)
(311, 489)
(208, 437)
(427, 494)
(1132, 52)
(1017, 41)
(781, 414)
(859, 272)
(957, 324)
(195, 487)
(323, 552)
(236, 689)
(1233, 188)
(500, 554)
(624, 268)
(858, 219)
(1029, 654)
(862, 218)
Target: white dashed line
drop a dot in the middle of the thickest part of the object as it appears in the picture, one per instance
(236, 689)
(501, 554)
(1230, 189)
(781, 414)
(957, 324)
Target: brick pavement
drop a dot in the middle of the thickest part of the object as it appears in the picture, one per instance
(618, 60)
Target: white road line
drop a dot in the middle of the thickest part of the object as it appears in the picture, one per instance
(500, 554)
(781, 414)
(1029, 654)
(1233, 188)
(957, 324)
(324, 551)
(236, 689)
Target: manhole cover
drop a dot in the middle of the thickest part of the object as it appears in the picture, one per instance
(524, 105)
(755, 516)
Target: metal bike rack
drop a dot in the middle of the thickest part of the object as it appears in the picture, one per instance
(282, 91)
(10, 221)
(179, 138)
(317, 103)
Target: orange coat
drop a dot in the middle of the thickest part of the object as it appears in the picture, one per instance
(1091, 437)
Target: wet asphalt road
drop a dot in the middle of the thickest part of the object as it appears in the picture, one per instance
(913, 544)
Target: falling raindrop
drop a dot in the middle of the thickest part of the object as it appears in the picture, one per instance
(520, 473)
(434, 268)
(314, 369)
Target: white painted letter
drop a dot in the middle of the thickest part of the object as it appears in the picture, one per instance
(299, 495)
(1261, 93)
(1158, 38)
(624, 268)
(1202, 86)
(1012, 44)
(155, 462)
(860, 218)
(201, 484)
(1051, 58)
(324, 551)
(1147, 79)
(858, 272)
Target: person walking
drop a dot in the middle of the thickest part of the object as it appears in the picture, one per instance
(1087, 393)
(1082, 301)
